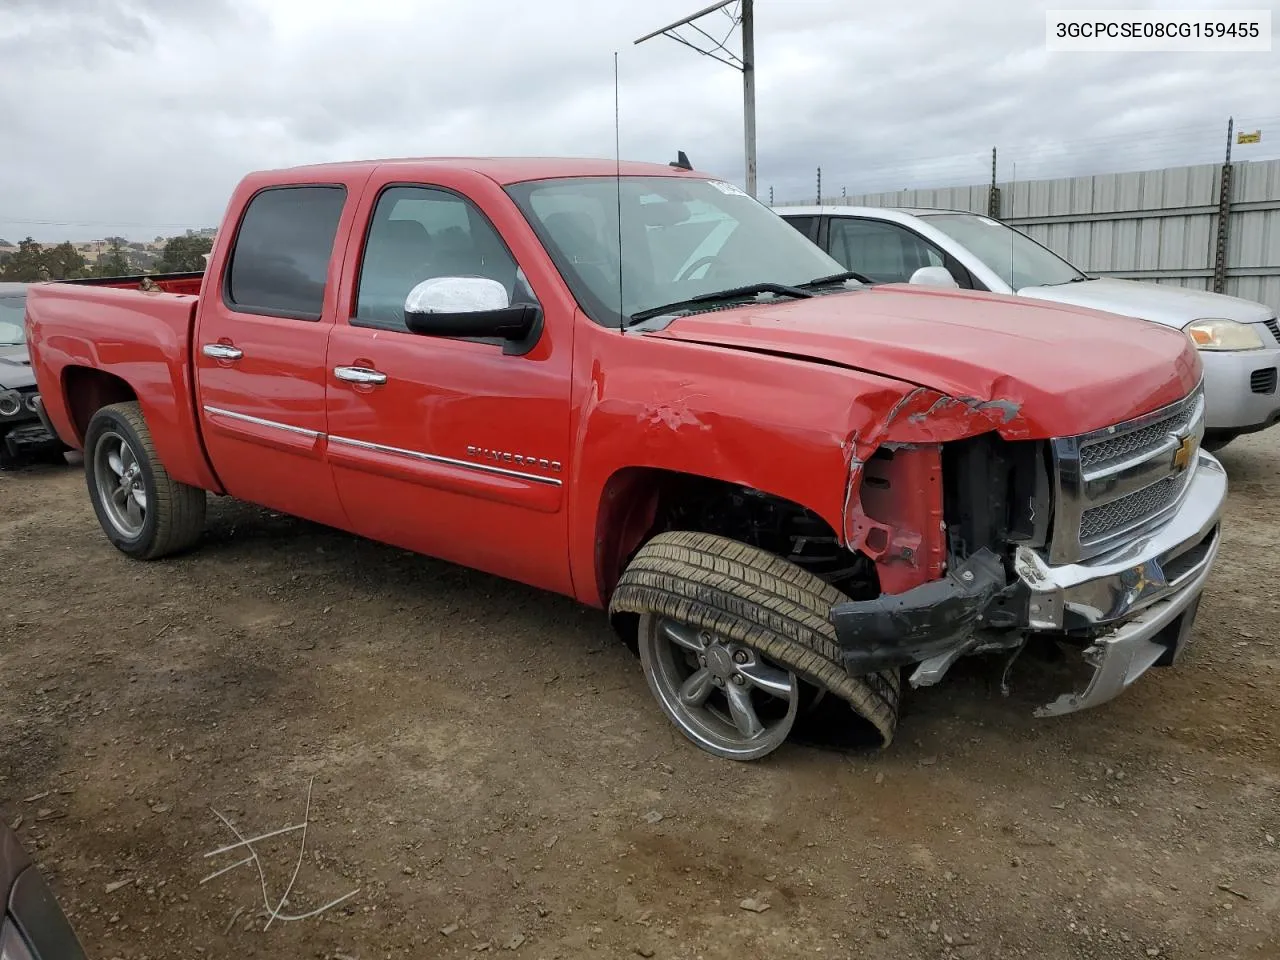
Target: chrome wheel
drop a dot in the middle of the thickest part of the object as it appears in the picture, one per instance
(121, 489)
(725, 697)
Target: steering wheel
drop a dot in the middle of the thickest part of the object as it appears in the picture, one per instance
(684, 274)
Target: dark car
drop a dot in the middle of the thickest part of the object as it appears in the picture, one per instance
(34, 926)
(23, 432)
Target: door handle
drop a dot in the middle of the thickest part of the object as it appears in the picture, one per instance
(359, 375)
(222, 351)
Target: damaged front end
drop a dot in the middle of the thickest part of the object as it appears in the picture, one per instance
(984, 539)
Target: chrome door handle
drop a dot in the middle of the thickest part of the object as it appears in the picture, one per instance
(222, 351)
(359, 375)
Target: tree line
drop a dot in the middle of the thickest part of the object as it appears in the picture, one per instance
(34, 261)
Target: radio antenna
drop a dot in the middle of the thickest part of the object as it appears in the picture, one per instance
(1013, 208)
(617, 161)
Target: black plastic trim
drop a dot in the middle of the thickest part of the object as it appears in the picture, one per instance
(40, 920)
(894, 630)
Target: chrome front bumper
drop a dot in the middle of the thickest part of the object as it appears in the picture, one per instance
(1143, 596)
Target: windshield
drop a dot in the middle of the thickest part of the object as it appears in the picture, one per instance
(999, 246)
(681, 238)
(11, 310)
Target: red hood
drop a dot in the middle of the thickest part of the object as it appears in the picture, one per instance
(1067, 369)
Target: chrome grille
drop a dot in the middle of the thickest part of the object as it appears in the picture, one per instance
(1097, 523)
(1126, 446)
(1274, 326)
(1113, 484)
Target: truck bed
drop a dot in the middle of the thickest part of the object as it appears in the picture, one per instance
(112, 333)
(182, 283)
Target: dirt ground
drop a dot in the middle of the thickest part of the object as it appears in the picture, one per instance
(491, 774)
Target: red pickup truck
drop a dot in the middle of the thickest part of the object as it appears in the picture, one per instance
(637, 386)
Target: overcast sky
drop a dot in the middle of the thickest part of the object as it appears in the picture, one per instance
(138, 116)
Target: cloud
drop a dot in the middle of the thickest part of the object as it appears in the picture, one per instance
(138, 116)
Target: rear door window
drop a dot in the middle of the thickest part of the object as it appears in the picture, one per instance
(280, 261)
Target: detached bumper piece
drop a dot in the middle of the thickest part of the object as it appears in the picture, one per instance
(932, 620)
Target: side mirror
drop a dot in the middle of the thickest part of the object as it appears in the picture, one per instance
(471, 307)
(934, 277)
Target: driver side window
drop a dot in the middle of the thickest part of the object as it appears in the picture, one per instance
(419, 233)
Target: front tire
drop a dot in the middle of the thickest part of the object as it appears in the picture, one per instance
(727, 634)
(144, 512)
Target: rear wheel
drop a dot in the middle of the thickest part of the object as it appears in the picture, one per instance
(144, 512)
(729, 638)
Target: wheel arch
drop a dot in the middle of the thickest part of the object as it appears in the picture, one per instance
(175, 431)
(637, 503)
(86, 390)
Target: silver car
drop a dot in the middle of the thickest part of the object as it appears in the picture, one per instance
(1239, 340)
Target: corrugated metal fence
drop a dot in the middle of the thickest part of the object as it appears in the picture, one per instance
(1159, 225)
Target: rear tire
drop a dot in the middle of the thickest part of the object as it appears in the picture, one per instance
(144, 512)
(712, 597)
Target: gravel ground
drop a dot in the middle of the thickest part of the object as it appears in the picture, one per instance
(489, 773)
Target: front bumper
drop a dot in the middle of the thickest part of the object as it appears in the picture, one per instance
(1231, 403)
(1138, 603)
(29, 431)
(1135, 604)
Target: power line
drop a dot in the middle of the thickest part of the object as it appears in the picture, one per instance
(40, 222)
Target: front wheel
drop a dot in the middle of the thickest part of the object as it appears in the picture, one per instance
(144, 512)
(730, 636)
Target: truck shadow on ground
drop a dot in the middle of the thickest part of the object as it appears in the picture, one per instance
(320, 561)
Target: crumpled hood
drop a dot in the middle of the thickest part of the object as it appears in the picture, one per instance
(1157, 302)
(1060, 370)
(15, 367)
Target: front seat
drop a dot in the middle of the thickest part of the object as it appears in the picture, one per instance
(397, 260)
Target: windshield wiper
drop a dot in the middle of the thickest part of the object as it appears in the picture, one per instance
(844, 275)
(750, 290)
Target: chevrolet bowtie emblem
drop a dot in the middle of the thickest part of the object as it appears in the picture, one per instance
(1182, 456)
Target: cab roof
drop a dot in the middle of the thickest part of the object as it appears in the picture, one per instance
(505, 170)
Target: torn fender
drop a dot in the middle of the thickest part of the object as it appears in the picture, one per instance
(893, 501)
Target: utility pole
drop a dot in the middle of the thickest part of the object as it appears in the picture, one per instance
(819, 186)
(1224, 218)
(745, 64)
(993, 197)
(749, 90)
